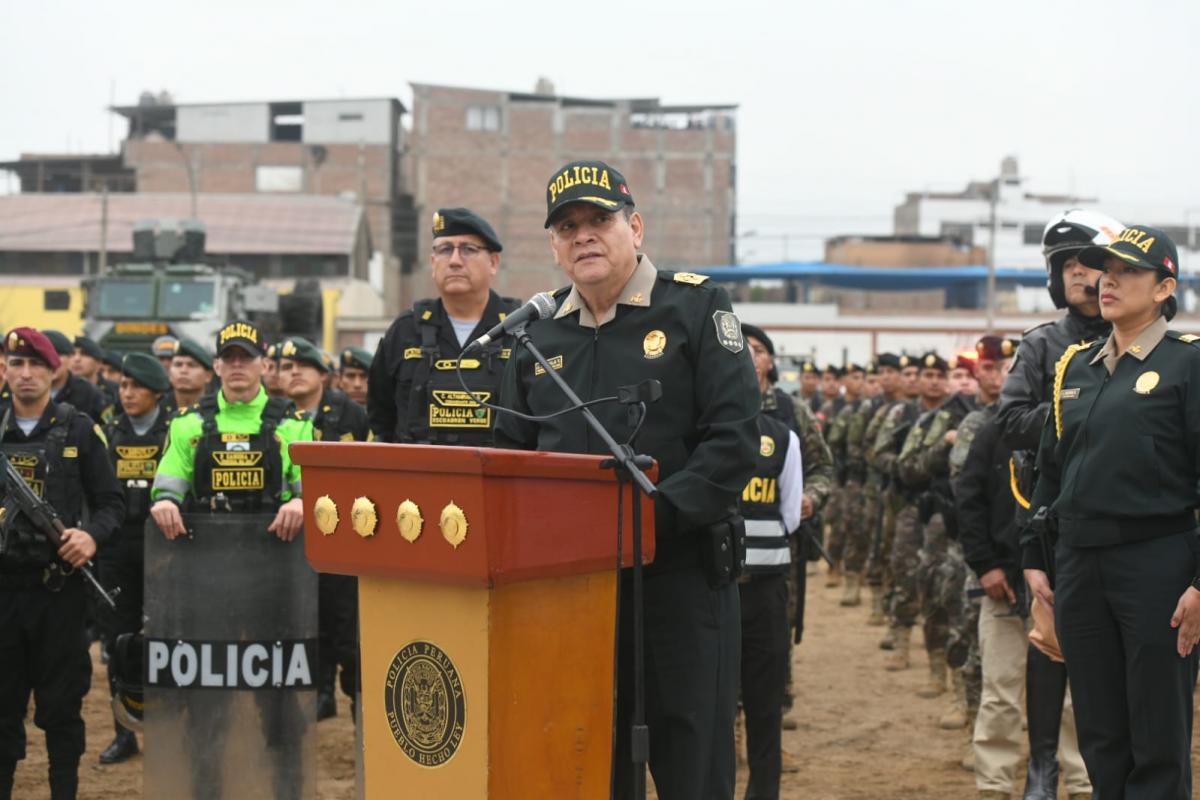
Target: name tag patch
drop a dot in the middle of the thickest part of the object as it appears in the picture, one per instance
(556, 362)
(1069, 394)
(456, 409)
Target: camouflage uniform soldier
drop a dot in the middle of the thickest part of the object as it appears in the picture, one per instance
(924, 468)
(847, 537)
(887, 368)
(909, 536)
(886, 434)
(832, 403)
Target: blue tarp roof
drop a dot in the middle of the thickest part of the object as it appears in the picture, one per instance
(849, 276)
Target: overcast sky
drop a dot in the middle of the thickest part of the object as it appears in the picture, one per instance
(845, 106)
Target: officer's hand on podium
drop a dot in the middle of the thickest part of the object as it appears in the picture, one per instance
(78, 547)
(289, 519)
(1187, 619)
(169, 520)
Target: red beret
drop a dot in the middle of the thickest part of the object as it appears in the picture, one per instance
(33, 343)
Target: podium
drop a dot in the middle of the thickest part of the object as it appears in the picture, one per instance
(487, 612)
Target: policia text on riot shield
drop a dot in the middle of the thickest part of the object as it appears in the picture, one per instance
(20, 498)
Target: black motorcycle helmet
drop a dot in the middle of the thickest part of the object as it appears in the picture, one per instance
(1065, 236)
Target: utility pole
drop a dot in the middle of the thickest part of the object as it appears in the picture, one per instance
(102, 267)
(993, 200)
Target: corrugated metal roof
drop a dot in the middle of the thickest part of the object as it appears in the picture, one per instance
(237, 223)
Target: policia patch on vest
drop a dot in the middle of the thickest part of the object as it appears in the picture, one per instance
(425, 704)
(136, 462)
(729, 331)
(451, 408)
(237, 471)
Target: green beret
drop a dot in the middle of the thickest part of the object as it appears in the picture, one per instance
(146, 370)
(112, 358)
(62, 345)
(195, 350)
(357, 357)
(297, 348)
(89, 347)
(464, 221)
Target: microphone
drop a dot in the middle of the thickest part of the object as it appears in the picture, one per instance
(540, 306)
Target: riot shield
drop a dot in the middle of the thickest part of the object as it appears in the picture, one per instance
(230, 662)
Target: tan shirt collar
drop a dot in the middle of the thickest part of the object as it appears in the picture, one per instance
(635, 292)
(1141, 348)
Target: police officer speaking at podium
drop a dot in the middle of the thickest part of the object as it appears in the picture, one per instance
(413, 390)
(623, 321)
(1118, 470)
(43, 649)
(205, 466)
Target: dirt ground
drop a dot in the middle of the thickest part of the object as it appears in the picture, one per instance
(863, 732)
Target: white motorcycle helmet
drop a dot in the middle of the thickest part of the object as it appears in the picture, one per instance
(1065, 236)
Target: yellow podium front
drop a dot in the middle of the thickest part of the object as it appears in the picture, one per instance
(487, 606)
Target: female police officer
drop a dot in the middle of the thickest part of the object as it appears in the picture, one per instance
(1119, 463)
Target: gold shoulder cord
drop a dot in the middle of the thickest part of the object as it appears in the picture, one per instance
(1012, 484)
(1060, 372)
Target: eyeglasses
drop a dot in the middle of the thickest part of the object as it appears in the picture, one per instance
(465, 250)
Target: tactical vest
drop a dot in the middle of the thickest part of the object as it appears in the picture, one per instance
(135, 460)
(54, 478)
(327, 419)
(767, 550)
(238, 472)
(440, 412)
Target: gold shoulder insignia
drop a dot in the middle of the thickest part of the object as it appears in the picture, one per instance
(690, 278)
(1188, 337)
(1060, 372)
(411, 353)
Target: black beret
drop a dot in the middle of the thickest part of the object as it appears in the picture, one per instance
(356, 357)
(806, 365)
(462, 222)
(932, 360)
(89, 347)
(194, 350)
(888, 360)
(59, 341)
(830, 369)
(852, 367)
(760, 334)
(146, 370)
(297, 348)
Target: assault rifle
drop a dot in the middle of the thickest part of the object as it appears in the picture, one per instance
(19, 497)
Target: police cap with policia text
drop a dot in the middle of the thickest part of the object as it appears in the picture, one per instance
(240, 333)
(297, 348)
(1143, 247)
(465, 222)
(31, 344)
(591, 182)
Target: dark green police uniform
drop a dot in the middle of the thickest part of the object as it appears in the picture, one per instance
(414, 394)
(1119, 466)
(336, 419)
(134, 448)
(679, 330)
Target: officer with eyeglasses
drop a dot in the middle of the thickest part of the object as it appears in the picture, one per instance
(414, 394)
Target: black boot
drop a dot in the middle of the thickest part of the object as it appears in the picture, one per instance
(7, 772)
(326, 705)
(124, 746)
(64, 783)
(1045, 690)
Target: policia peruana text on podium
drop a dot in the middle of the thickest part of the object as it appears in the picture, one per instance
(1118, 470)
(414, 395)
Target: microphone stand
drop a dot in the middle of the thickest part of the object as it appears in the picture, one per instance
(627, 465)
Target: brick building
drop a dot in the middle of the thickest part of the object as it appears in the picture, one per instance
(494, 151)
